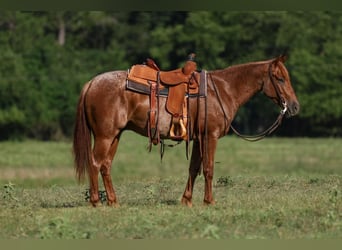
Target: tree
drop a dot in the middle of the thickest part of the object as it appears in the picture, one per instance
(315, 40)
(48, 56)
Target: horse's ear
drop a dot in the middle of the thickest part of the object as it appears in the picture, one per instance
(285, 55)
(282, 58)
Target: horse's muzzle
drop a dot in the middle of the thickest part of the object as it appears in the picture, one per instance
(292, 109)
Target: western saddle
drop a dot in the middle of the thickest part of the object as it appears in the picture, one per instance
(177, 85)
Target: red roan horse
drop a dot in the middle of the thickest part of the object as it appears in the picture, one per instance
(106, 108)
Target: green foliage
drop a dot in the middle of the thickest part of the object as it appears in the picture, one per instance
(48, 56)
(316, 56)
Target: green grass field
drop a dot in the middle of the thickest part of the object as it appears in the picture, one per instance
(276, 188)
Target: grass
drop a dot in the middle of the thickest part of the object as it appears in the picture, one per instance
(277, 188)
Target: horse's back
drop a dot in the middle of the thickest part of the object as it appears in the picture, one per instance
(105, 88)
(109, 81)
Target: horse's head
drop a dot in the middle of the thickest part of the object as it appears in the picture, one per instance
(278, 87)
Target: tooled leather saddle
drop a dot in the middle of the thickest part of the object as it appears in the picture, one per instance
(176, 85)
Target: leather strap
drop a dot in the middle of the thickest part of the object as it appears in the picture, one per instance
(153, 114)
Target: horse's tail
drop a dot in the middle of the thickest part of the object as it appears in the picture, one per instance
(82, 138)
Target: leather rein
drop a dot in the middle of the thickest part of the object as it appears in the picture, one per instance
(273, 127)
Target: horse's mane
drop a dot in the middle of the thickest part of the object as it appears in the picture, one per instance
(242, 67)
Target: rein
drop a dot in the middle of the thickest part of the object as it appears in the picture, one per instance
(258, 137)
(272, 128)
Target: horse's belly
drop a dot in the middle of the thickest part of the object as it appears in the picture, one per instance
(138, 121)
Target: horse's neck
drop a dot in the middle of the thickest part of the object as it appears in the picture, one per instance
(241, 82)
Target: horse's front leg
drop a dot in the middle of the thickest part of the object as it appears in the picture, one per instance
(194, 169)
(208, 170)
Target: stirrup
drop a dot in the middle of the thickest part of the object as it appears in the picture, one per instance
(182, 136)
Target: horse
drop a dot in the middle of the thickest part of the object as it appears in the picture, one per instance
(106, 108)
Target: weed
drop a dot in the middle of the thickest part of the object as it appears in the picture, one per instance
(271, 184)
(61, 228)
(224, 181)
(151, 193)
(102, 195)
(9, 190)
(332, 215)
(211, 232)
(333, 211)
(313, 180)
(333, 196)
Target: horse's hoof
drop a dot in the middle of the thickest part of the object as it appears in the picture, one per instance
(186, 202)
(96, 204)
(209, 203)
(113, 204)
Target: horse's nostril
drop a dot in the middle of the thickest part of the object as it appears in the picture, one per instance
(296, 108)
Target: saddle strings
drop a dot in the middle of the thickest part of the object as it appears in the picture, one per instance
(220, 103)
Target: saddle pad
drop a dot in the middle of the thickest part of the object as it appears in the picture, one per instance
(143, 87)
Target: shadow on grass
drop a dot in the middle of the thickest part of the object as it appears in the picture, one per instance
(147, 200)
(64, 205)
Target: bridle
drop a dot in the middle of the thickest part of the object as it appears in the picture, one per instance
(276, 87)
(275, 125)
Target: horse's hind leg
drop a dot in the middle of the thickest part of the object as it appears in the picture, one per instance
(106, 176)
(94, 183)
(103, 153)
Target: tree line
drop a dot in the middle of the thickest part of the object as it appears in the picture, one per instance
(46, 57)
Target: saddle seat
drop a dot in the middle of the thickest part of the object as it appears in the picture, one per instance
(144, 74)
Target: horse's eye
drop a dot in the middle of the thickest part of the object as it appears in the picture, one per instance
(281, 80)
